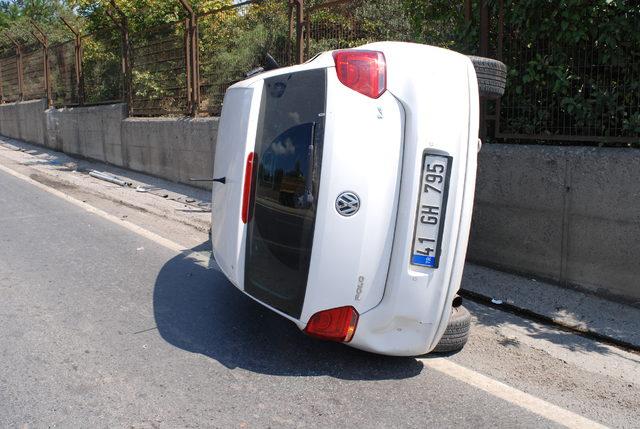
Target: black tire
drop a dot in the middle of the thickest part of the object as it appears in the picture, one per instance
(492, 76)
(457, 332)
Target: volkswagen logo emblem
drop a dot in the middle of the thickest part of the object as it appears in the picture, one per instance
(347, 203)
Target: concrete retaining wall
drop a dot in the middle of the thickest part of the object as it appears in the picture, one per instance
(92, 132)
(568, 214)
(24, 121)
(172, 148)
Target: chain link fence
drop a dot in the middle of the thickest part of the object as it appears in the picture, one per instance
(159, 71)
(33, 73)
(184, 67)
(579, 92)
(234, 40)
(9, 75)
(64, 88)
(341, 24)
(101, 68)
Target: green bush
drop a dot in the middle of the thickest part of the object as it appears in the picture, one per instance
(574, 65)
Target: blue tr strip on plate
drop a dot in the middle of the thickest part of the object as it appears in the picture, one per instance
(427, 261)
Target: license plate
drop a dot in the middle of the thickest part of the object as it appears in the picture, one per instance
(432, 205)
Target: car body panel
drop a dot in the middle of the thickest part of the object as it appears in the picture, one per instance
(440, 98)
(362, 154)
(236, 139)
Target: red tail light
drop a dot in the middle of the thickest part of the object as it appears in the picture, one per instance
(362, 71)
(337, 324)
(246, 195)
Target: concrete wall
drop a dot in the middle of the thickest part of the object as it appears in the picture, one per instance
(172, 148)
(92, 132)
(568, 214)
(24, 121)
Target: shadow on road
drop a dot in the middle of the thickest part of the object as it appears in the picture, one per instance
(198, 310)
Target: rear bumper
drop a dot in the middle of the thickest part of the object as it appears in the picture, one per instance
(415, 309)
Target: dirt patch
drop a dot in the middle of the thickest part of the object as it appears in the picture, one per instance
(55, 184)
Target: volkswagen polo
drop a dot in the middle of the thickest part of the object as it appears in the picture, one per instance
(344, 190)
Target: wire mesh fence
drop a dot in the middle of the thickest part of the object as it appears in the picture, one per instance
(332, 28)
(582, 92)
(341, 24)
(9, 75)
(64, 76)
(159, 71)
(234, 40)
(102, 67)
(585, 91)
(33, 73)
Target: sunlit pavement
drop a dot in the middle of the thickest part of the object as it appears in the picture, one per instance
(103, 325)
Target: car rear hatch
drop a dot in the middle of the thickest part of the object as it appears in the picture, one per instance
(316, 140)
(311, 139)
(438, 91)
(362, 156)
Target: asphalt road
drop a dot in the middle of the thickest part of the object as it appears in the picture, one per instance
(102, 327)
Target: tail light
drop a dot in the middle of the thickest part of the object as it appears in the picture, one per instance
(362, 71)
(337, 324)
(246, 195)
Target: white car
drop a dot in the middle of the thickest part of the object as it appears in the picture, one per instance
(345, 190)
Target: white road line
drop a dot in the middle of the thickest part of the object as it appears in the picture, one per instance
(171, 245)
(517, 397)
(466, 375)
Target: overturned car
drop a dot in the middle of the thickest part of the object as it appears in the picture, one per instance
(344, 191)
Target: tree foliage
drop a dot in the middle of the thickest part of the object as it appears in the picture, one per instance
(573, 64)
(585, 56)
(141, 14)
(16, 17)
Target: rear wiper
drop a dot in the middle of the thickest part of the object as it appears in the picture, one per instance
(268, 63)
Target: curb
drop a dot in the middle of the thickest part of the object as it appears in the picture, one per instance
(43, 176)
(524, 312)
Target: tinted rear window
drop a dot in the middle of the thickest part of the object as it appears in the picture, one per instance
(285, 189)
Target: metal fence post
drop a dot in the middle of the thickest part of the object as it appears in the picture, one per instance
(467, 10)
(18, 66)
(484, 51)
(126, 63)
(1, 86)
(127, 81)
(78, 61)
(484, 28)
(192, 59)
(44, 41)
(499, 54)
(307, 34)
(187, 64)
(291, 28)
(299, 31)
(195, 58)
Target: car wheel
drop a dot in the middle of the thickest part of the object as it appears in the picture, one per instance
(492, 76)
(457, 332)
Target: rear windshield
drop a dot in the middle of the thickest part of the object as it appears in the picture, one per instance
(285, 189)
